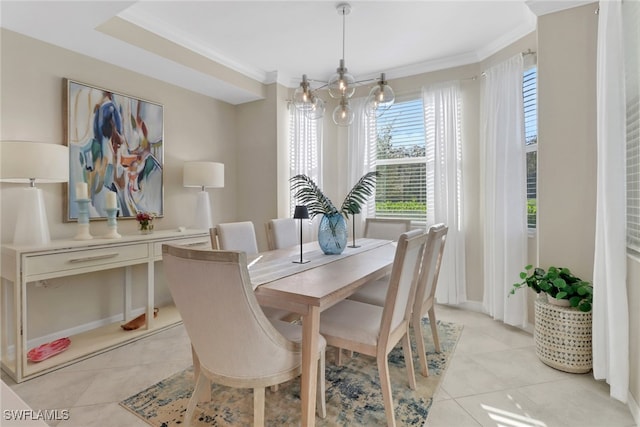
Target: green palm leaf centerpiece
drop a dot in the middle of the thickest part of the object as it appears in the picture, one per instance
(308, 193)
(332, 233)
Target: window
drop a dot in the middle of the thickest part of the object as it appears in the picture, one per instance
(631, 37)
(401, 190)
(530, 95)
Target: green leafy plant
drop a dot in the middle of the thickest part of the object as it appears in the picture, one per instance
(308, 193)
(558, 283)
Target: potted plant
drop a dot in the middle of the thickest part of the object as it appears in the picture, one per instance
(562, 326)
(559, 284)
(332, 232)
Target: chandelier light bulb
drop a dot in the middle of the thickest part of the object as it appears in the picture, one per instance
(343, 114)
(380, 98)
(317, 108)
(302, 95)
(342, 83)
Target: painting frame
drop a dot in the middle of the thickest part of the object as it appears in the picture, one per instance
(116, 144)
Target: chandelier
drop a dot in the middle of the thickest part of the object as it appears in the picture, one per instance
(342, 86)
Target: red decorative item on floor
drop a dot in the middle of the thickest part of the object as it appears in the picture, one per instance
(49, 349)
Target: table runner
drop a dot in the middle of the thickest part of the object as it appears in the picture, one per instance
(265, 272)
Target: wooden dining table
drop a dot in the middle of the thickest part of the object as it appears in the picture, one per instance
(310, 288)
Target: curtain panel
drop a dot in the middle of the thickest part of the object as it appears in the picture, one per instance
(505, 201)
(361, 155)
(442, 115)
(305, 157)
(610, 305)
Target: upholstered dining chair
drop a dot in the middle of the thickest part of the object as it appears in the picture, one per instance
(233, 343)
(281, 233)
(375, 292)
(235, 236)
(386, 228)
(241, 236)
(373, 330)
(426, 292)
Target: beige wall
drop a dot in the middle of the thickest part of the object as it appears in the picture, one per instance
(567, 139)
(257, 168)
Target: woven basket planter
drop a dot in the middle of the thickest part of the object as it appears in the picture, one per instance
(563, 337)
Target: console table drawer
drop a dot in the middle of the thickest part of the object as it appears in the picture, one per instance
(52, 263)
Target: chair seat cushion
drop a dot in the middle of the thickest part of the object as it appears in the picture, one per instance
(353, 321)
(293, 332)
(374, 292)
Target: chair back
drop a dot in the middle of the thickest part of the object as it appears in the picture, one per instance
(386, 228)
(428, 279)
(402, 281)
(230, 334)
(281, 233)
(235, 236)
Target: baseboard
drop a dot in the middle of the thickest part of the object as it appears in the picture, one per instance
(478, 307)
(634, 408)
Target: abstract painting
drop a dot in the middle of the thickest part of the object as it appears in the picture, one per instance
(115, 145)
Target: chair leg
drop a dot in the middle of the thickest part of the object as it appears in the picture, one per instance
(201, 382)
(258, 407)
(385, 385)
(420, 347)
(338, 356)
(204, 395)
(434, 328)
(321, 405)
(408, 359)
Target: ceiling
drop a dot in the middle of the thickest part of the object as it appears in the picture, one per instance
(228, 49)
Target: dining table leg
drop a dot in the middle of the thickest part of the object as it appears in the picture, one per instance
(309, 376)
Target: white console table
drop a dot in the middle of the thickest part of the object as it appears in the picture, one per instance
(22, 265)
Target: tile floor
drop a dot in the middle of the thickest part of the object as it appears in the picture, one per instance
(494, 379)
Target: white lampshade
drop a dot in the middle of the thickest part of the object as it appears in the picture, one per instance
(23, 161)
(203, 174)
(33, 162)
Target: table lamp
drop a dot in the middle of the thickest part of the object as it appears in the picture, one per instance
(203, 175)
(301, 212)
(25, 162)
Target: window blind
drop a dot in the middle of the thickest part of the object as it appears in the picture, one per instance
(530, 98)
(631, 37)
(400, 162)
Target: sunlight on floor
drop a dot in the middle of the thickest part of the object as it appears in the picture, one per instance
(510, 419)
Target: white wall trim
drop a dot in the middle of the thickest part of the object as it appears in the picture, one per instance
(634, 408)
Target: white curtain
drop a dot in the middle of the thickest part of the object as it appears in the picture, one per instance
(610, 307)
(362, 155)
(505, 200)
(442, 107)
(305, 157)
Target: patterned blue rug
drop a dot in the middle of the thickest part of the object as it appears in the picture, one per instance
(353, 393)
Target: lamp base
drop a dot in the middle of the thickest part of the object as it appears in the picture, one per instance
(202, 220)
(32, 227)
(304, 261)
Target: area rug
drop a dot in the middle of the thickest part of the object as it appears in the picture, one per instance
(353, 393)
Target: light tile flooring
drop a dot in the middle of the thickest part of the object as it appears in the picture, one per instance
(494, 379)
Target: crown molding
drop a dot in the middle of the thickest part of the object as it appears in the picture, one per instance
(544, 7)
